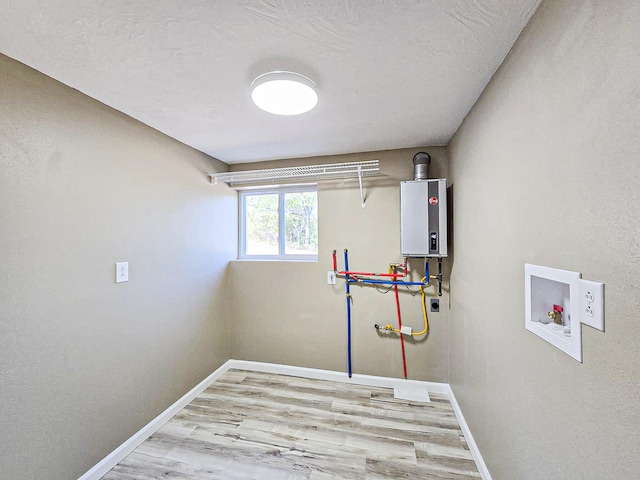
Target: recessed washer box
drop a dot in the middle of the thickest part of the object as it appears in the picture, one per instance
(549, 292)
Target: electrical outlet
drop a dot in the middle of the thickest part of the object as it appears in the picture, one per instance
(122, 272)
(591, 298)
(331, 278)
(434, 303)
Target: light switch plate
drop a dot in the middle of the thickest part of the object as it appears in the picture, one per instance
(122, 272)
(331, 277)
(591, 297)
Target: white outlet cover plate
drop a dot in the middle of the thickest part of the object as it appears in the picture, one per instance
(591, 298)
(331, 278)
(122, 272)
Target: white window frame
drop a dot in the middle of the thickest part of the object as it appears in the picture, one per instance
(280, 191)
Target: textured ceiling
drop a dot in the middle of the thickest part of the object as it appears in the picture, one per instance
(390, 74)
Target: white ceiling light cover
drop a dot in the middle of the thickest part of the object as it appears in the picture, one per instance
(284, 93)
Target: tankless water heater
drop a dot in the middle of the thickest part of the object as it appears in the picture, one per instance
(423, 218)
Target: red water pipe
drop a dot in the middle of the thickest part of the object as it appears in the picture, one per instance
(395, 276)
(371, 274)
(404, 357)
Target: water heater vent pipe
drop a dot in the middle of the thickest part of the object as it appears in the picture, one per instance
(421, 161)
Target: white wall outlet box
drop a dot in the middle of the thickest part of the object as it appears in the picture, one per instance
(331, 278)
(549, 290)
(122, 272)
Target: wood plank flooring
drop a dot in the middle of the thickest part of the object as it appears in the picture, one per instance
(250, 425)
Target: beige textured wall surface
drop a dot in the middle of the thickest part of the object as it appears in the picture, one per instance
(284, 312)
(85, 363)
(545, 170)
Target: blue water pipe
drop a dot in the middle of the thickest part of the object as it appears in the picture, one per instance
(384, 282)
(346, 268)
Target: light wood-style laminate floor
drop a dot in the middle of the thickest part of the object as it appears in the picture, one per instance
(250, 425)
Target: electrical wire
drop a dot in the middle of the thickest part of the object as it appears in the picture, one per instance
(411, 291)
(380, 290)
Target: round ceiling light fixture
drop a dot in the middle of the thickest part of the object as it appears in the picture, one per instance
(284, 93)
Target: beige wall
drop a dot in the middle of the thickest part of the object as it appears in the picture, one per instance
(284, 312)
(545, 167)
(84, 363)
(546, 170)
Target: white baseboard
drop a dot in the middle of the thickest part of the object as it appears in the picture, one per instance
(334, 376)
(473, 447)
(111, 460)
(115, 457)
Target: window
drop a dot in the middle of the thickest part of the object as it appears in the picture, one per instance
(279, 223)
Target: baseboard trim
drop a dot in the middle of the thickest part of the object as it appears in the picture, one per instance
(473, 447)
(334, 376)
(115, 457)
(111, 460)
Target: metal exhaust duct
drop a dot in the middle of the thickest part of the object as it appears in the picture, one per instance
(421, 161)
